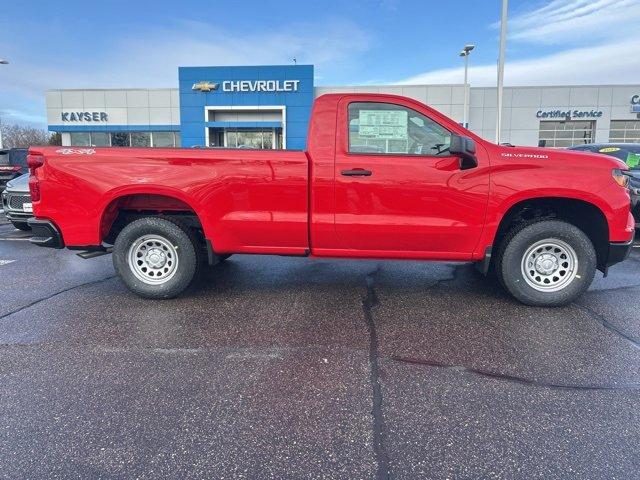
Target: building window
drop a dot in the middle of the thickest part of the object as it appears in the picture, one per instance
(162, 139)
(565, 133)
(125, 139)
(81, 139)
(141, 139)
(100, 139)
(624, 131)
(120, 139)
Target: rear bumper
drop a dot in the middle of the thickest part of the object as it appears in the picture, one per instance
(45, 233)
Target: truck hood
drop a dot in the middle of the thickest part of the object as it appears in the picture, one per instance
(560, 157)
(19, 184)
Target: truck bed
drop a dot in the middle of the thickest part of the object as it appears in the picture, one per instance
(247, 200)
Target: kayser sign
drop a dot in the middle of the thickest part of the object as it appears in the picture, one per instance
(84, 116)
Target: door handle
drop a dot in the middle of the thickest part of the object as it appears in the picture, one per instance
(356, 172)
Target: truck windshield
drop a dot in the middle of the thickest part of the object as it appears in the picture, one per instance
(18, 157)
(630, 154)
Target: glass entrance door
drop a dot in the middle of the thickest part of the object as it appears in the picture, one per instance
(264, 138)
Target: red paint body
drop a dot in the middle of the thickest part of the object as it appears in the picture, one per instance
(298, 203)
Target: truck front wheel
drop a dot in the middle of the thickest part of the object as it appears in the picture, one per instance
(156, 257)
(547, 263)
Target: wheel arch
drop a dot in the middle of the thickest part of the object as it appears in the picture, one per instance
(135, 202)
(581, 213)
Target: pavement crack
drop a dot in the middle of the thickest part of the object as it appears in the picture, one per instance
(598, 317)
(381, 455)
(55, 294)
(512, 378)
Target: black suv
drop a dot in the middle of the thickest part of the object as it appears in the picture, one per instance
(629, 153)
(13, 163)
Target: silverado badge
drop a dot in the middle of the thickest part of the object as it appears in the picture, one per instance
(205, 86)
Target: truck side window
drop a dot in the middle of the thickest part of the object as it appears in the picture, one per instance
(385, 128)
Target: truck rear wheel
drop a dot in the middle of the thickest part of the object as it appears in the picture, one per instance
(156, 257)
(547, 263)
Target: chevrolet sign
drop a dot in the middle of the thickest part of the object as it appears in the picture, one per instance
(205, 86)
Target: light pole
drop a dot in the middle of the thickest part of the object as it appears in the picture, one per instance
(2, 62)
(465, 53)
(503, 41)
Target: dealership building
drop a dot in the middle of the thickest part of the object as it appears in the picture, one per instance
(269, 107)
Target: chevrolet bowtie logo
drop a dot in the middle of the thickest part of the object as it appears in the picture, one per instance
(205, 86)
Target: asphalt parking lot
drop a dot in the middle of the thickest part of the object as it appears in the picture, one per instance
(294, 368)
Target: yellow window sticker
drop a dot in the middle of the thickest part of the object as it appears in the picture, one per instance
(608, 149)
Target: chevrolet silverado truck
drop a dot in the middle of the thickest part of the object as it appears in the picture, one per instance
(384, 177)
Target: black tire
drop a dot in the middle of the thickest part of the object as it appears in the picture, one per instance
(186, 250)
(516, 245)
(223, 257)
(21, 226)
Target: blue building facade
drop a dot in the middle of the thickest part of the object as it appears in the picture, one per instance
(247, 106)
(265, 106)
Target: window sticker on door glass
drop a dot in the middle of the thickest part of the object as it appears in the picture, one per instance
(383, 124)
(633, 160)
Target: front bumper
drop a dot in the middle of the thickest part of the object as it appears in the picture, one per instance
(16, 216)
(618, 251)
(45, 233)
(635, 205)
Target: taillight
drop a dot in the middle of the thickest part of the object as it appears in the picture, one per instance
(34, 188)
(10, 168)
(34, 162)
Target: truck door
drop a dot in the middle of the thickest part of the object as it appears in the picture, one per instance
(398, 192)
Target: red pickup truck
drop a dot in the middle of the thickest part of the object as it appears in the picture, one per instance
(383, 177)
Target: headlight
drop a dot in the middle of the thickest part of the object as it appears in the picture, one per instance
(620, 177)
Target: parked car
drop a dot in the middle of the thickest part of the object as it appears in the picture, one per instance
(433, 191)
(16, 202)
(628, 153)
(13, 163)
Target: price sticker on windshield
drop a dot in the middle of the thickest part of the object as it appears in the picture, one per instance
(633, 160)
(384, 124)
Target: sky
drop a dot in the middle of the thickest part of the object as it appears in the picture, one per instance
(133, 44)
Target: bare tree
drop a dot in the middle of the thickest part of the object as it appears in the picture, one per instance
(55, 139)
(14, 136)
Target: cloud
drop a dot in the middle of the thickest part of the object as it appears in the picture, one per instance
(611, 63)
(571, 21)
(607, 27)
(150, 58)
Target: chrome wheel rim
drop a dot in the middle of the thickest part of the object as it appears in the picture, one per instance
(153, 259)
(549, 265)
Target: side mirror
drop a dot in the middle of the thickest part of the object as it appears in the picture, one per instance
(465, 148)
